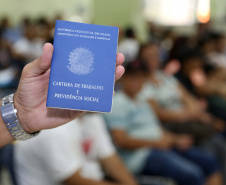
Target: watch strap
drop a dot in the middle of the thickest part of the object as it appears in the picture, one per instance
(9, 116)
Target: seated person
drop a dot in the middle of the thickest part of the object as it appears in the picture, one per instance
(216, 56)
(9, 67)
(29, 47)
(147, 148)
(172, 102)
(71, 154)
(129, 45)
(204, 81)
(179, 110)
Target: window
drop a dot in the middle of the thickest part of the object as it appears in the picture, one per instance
(177, 12)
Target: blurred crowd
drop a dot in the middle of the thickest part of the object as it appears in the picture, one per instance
(168, 118)
(20, 45)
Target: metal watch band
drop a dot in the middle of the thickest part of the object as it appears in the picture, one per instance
(7, 99)
(9, 117)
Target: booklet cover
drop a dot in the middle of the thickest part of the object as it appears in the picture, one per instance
(82, 72)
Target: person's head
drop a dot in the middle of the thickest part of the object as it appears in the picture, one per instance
(149, 53)
(220, 42)
(191, 59)
(30, 32)
(130, 33)
(206, 44)
(202, 29)
(180, 44)
(134, 77)
(26, 21)
(4, 23)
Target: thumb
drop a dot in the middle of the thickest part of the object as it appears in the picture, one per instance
(40, 65)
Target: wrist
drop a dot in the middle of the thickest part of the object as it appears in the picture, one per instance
(4, 131)
(20, 112)
(10, 118)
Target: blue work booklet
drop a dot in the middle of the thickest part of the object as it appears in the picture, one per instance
(82, 72)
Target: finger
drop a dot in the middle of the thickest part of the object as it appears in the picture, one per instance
(46, 58)
(42, 64)
(119, 59)
(119, 72)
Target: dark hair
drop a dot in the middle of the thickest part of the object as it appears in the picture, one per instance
(190, 54)
(136, 66)
(180, 44)
(217, 35)
(130, 33)
(204, 40)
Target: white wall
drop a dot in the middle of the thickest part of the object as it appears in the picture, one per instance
(17, 9)
(118, 12)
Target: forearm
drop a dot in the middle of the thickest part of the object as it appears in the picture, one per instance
(218, 74)
(166, 115)
(212, 88)
(170, 116)
(117, 170)
(77, 179)
(184, 93)
(190, 103)
(125, 141)
(133, 143)
(5, 136)
(92, 182)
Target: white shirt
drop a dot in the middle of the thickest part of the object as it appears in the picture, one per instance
(217, 59)
(30, 49)
(56, 154)
(129, 48)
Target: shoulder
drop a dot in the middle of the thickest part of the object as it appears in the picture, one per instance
(148, 92)
(119, 96)
(120, 99)
(122, 104)
(167, 78)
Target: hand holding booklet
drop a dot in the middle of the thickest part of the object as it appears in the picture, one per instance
(82, 72)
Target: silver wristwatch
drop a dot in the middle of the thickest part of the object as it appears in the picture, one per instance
(9, 116)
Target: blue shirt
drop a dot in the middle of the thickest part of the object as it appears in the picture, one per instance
(166, 93)
(139, 121)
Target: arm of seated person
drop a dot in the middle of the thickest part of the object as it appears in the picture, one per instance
(193, 106)
(198, 112)
(117, 170)
(189, 101)
(113, 166)
(218, 74)
(123, 140)
(205, 85)
(77, 179)
(212, 88)
(180, 141)
(170, 116)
